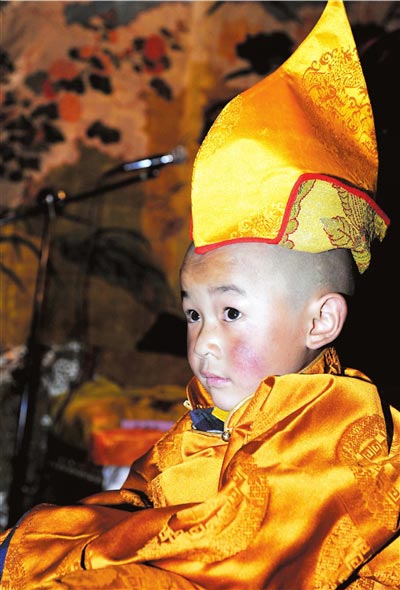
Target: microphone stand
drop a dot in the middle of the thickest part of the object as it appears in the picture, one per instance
(60, 198)
(23, 487)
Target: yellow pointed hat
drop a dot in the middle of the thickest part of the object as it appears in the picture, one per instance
(293, 160)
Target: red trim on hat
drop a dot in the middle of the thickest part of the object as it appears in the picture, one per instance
(293, 195)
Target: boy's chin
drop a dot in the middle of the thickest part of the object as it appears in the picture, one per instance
(226, 400)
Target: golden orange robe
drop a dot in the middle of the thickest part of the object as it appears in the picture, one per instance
(301, 492)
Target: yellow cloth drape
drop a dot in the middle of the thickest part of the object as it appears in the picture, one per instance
(303, 495)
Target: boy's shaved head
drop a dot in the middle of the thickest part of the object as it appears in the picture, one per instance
(304, 274)
(318, 273)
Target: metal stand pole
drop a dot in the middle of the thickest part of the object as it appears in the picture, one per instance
(22, 489)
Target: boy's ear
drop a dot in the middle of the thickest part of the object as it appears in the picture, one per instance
(329, 313)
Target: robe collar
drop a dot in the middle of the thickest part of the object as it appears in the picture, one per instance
(327, 362)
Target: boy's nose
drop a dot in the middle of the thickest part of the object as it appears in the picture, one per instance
(207, 342)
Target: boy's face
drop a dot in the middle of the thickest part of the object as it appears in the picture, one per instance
(242, 326)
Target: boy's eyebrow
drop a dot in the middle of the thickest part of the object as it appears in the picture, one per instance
(225, 288)
(219, 289)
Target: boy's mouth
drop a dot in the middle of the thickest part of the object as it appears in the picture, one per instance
(213, 380)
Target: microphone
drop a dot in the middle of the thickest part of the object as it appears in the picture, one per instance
(177, 156)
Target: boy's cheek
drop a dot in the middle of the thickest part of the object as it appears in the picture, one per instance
(246, 359)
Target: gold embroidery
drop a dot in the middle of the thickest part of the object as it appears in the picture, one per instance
(356, 229)
(389, 576)
(220, 527)
(168, 451)
(265, 224)
(333, 82)
(363, 449)
(352, 222)
(292, 225)
(342, 552)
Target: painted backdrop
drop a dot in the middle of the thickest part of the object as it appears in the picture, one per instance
(89, 85)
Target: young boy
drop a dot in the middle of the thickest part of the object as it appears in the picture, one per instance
(257, 309)
(284, 474)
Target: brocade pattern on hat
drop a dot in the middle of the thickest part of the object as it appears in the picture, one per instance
(336, 83)
(355, 223)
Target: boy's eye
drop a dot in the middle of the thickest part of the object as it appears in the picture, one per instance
(231, 314)
(192, 315)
